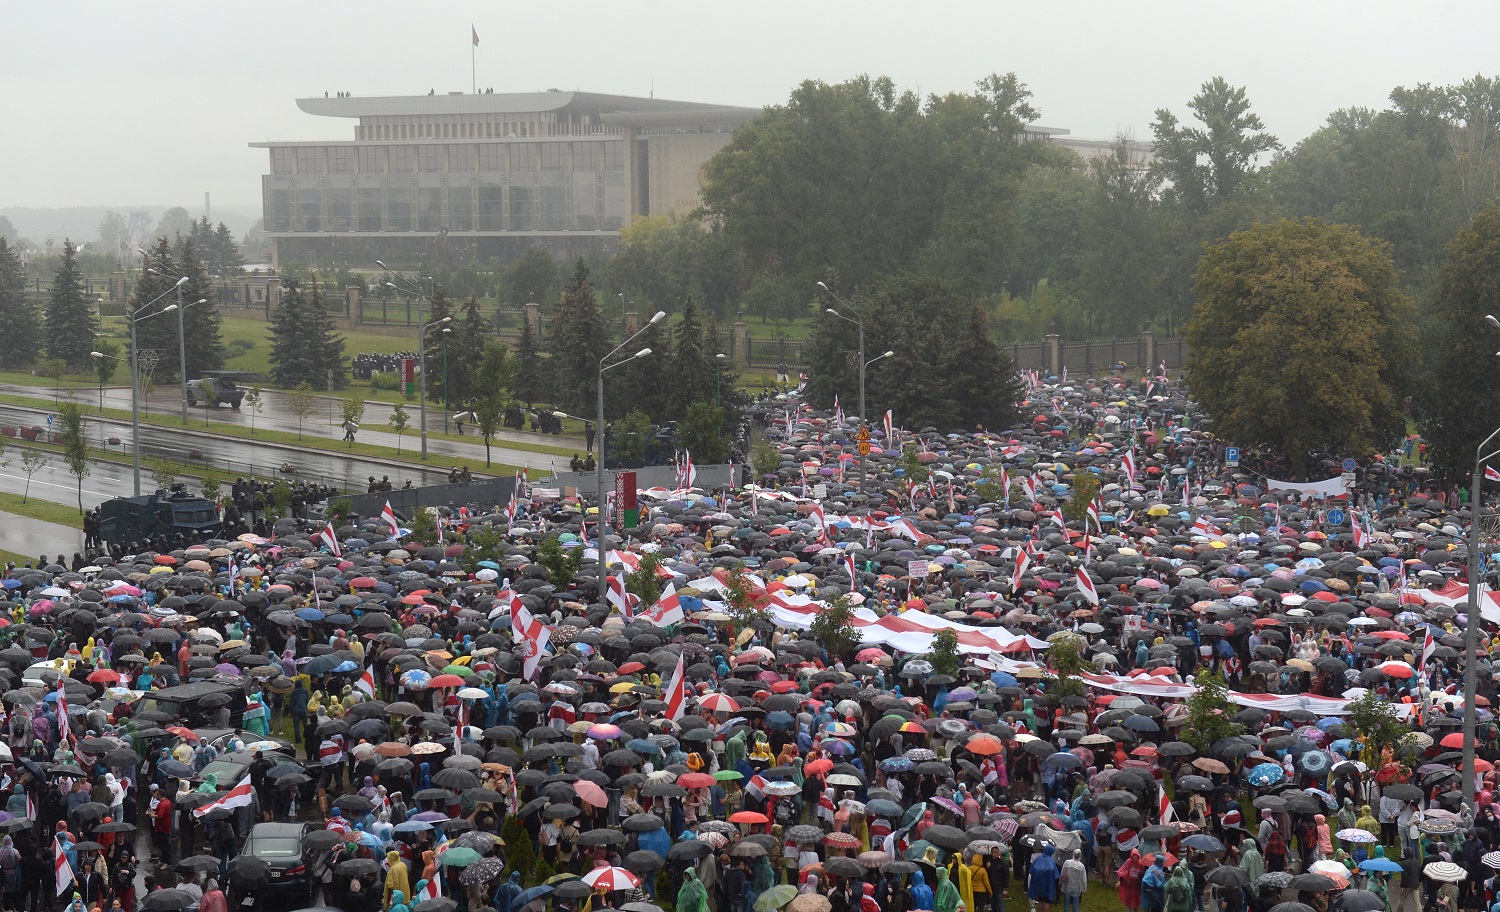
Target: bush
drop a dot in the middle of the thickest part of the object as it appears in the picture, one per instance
(235, 347)
(519, 855)
(389, 381)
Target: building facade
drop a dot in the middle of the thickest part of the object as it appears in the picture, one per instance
(449, 178)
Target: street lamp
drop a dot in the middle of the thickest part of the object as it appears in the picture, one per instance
(599, 466)
(719, 360)
(422, 348)
(446, 331)
(131, 317)
(859, 321)
(182, 345)
(1471, 629)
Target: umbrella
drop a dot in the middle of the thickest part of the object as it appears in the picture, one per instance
(482, 871)
(1312, 883)
(1228, 876)
(775, 898)
(167, 900)
(610, 878)
(1444, 871)
(1358, 901)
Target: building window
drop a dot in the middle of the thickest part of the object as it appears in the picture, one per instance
(523, 156)
(372, 159)
(282, 161)
(555, 156)
(491, 157)
(433, 158)
(588, 156)
(403, 158)
(340, 158)
(614, 156)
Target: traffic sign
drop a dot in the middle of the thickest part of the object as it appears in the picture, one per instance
(1232, 456)
(863, 436)
(1336, 516)
(864, 447)
(1350, 465)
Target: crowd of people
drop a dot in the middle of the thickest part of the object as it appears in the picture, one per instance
(1023, 699)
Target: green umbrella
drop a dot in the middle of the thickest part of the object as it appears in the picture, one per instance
(459, 857)
(775, 898)
(728, 775)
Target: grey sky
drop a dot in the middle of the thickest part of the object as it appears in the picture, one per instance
(119, 104)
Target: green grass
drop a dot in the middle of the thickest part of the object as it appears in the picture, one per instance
(20, 560)
(46, 511)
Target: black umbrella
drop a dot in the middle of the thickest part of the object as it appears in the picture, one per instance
(946, 837)
(168, 900)
(1229, 876)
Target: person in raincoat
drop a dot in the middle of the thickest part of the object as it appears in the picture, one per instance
(1041, 881)
(396, 881)
(398, 902)
(963, 878)
(692, 897)
(1368, 823)
(1251, 861)
(1129, 883)
(920, 893)
(505, 894)
(1154, 887)
(946, 897)
(1181, 890)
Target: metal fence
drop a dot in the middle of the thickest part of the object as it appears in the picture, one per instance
(1090, 355)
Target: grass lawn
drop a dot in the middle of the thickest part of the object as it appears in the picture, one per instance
(20, 560)
(61, 514)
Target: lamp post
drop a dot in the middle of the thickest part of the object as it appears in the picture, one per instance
(599, 465)
(719, 360)
(859, 321)
(132, 317)
(444, 337)
(1471, 629)
(182, 348)
(422, 348)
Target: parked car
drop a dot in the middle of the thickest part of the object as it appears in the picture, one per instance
(280, 845)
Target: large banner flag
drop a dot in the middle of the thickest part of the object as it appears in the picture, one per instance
(667, 610)
(237, 797)
(330, 540)
(1086, 586)
(389, 516)
(533, 636)
(61, 869)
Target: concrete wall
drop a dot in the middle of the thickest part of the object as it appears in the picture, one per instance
(709, 478)
(676, 163)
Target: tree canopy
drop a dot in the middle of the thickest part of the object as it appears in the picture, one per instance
(1301, 340)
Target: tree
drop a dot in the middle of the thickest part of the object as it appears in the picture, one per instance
(1065, 658)
(466, 346)
(642, 582)
(578, 343)
(174, 221)
(1463, 350)
(114, 233)
(351, 412)
(1076, 507)
(8, 230)
(1376, 722)
(1300, 341)
(305, 346)
(210, 485)
(701, 431)
(642, 384)
(439, 308)
(627, 444)
(164, 473)
(692, 366)
(832, 627)
(70, 319)
(530, 371)
(21, 341)
(254, 397)
(104, 368)
(1210, 715)
(494, 376)
(32, 461)
(424, 527)
(944, 653)
(302, 401)
(562, 564)
(748, 605)
(399, 422)
(533, 277)
(1121, 233)
(1209, 164)
(75, 444)
(203, 342)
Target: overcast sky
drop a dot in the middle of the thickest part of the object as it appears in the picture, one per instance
(121, 104)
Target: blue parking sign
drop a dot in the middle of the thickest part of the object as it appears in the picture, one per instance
(1231, 454)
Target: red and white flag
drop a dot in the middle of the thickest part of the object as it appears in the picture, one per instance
(475, 32)
(30, 807)
(1127, 464)
(389, 516)
(330, 540)
(1028, 484)
(1357, 532)
(433, 889)
(1428, 645)
(621, 598)
(1491, 474)
(60, 866)
(1187, 494)
(676, 692)
(667, 610)
(1093, 514)
(533, 636)
(1023, 563)
(890, 430)
(853, 576)
(1005, 483)
(1204, 527)
(330, 751)
(1163, 804)
(237, 797)
(1086, 586)
(366, 684)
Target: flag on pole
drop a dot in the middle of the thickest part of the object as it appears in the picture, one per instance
(433, 888)
(61, 869)
(1163, 804)
(1491, 474)
(667, 610)
(1127, 463)
(475, 31)
(531, 634)
(676, 693)
(330, 540)
(1005, 484)
(1028, 484)
(1086, 587)
(1428, 645)
(1357, 532)
(689, 472)
(1187, 494)
(458, 729)
(30, 807)
(853, 577)
(621, 599)
(1023, 563)
(890, 429)
(389, 515)
(838, 411)
(1093, 514)
(237, 797)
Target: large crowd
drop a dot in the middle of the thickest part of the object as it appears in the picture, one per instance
(479, 730)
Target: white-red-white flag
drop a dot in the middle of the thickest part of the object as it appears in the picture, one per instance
(1163, 804)
(667, 610)
(853, 576)
(1491, 474)
(890, 430)
(389, 515)
(676, 692)
(1428, 645)
(1127, 464)
(237, 797)
(1023, 563)
(366, 684)
(621, 598)
(1086, 586)
(330, 541)
(531, 634)
(60, 867)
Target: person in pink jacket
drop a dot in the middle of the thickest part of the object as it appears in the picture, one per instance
(1325, 838)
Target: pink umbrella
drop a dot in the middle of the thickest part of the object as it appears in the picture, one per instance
(591, 792)
(604, 731)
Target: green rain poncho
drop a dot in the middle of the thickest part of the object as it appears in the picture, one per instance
(1250, 861)
(693, 897)
(946, 896)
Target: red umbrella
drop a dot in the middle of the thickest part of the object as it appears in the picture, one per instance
(446, 680)
(818, 766)
(1456, 740)
(1396, 670)
(717, 702)
(748, 817)
(610, 879)
(591, 793)
(695, 780)
(103, 676)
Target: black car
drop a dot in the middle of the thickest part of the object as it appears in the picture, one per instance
(280, 845)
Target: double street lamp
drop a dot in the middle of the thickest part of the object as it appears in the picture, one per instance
(859, 321)
(1471, 629)
(599, 465)
(422, 348)
(131, 318)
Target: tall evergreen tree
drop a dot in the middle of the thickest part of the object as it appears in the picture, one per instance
(227, 259)
(471, 332)
(69, 318)
(639, 386)
(692, 366)
(578, 342)
(21, 341)
(152, 294)
(291, 357)
(326, 344)
(439, 307)
(531, 380)
(201, 323)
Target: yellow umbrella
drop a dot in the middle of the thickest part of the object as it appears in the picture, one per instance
(1158, 510)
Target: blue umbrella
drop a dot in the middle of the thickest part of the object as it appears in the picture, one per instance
(413, 826)
(1329, 722)
(1063, 760)
(529, 896)
(1001, 679)
(1379, 864)
(309, 614)
(345, 665)
(896, 765)
(780, 721)
(1266, 774)
(642, 746)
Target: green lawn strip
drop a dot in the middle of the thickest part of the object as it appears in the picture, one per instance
(323, 444)
(20, 560)
(46, 511)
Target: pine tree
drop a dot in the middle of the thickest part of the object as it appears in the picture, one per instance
(326, 345)
(985, 369)
(227, 260)
(466, 347)
(439, 307)
(21, 341)
(289, 354)
(638, 385)
(69, 318)
(579, 341)
(692, 370)
(530, 369)
(152, 295)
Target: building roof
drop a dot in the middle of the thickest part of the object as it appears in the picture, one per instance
(513, 103)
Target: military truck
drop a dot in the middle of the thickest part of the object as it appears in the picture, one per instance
(214, 389)
(170, 513)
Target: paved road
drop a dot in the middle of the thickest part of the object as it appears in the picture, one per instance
(165, 405)
(32, 537)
